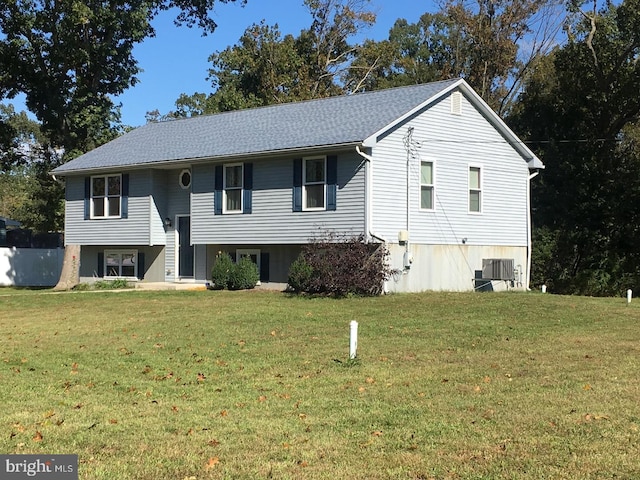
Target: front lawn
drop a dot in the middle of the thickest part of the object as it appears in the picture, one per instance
(250, 385)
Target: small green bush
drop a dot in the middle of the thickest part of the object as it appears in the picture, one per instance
(300, 274)
(244, 275)
(221, 271)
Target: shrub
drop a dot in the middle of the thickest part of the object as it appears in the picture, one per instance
(221, 271)
(244, 275)
(300, 273)
(340, 266)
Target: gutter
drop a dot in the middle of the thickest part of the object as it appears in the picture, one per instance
(197, 160)
(368, 195)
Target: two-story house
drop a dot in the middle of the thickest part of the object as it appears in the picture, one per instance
(430, 170)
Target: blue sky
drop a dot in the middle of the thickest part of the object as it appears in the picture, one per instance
(175, 61)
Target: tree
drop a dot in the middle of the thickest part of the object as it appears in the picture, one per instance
(493, 44)
(70, 57)
(584, 109)
(264, 67)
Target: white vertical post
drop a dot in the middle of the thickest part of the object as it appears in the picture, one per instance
(353, 339)
(629, 295)
(544, 289)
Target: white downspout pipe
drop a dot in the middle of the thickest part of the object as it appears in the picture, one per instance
(529, 233)
(368, 195)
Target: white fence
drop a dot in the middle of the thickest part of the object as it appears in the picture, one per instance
(30, 267)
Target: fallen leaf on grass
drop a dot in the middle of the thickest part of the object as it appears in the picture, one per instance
(377, 433)
(113, 421)
(201, 377)
(38, 437)
(370, 380)
(213, 443)
(213, 461)
(262, 398)
(587, 387)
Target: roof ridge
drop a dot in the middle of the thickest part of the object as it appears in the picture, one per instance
(309, 100)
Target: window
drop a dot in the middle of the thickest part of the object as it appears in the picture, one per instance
(475, 189)
(120, 263)
(106, 192)
(314, 183)
(426, 186)
(253, 254)
(232, 188)
(185, 178)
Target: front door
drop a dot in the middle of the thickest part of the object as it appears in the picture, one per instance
(185, 249)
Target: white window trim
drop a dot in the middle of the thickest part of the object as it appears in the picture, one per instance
(121, 252)
(432, 185)
(106, 197)
(224, 188)
(469, 189)
(182, 172)
(304, 185)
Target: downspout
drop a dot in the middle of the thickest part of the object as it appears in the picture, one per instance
(368, 195)
(529, 233)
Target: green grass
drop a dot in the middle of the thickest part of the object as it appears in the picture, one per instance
(250, 385)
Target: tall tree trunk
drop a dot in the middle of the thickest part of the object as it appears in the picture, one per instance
(70, 275)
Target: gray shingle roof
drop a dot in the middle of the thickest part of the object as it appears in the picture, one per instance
(314, 123)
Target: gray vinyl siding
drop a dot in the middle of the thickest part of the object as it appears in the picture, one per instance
(453, 143)
(158, 207)
(272, 220)
(133, 230)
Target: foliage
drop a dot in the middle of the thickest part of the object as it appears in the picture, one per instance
(244, 275)
(251, 385)
(70, 58)
(300, 275)
(264, 68)
(582, 104)
(338, 265)
(493, 44)
(115, 284)
(221, 271)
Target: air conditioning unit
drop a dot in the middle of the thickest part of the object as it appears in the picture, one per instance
(498, 269)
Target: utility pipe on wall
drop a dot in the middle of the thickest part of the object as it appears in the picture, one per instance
(529, 234)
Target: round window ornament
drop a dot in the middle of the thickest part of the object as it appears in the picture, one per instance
(185, 178)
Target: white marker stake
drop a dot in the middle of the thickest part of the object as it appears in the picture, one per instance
(353, 339)
(629, 295)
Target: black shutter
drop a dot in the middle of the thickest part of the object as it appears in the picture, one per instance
(141, 265)
(297, 185)
(100, 264)
(87, 198)
(217, 196)
(247, 184)
(264, 267)
(125, 196)
(332, 181)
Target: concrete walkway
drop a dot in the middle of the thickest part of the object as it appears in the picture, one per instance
(200, 286)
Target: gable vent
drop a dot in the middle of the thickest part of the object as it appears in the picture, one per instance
(456, 103)
(498, 269)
